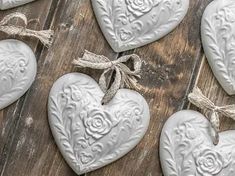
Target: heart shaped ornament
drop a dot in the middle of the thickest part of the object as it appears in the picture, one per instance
(88, 134)
(186, 147)
(7, 4)
(218, 38)
(129, 24)
(18, 69)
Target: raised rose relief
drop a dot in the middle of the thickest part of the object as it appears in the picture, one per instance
(88, 134)
(128, 24)
(187, 150)
(140, 7)
(218, 28)
(17, 70)
(209, 162)
(98, 123)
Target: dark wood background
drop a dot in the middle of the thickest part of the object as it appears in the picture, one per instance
(173, 66)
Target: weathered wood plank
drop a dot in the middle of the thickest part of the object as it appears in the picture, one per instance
(33, 151)
(166, 78)
(9, 116)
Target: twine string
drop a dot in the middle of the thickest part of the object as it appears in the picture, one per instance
(201, 101)
(45, 36)
(123, 76)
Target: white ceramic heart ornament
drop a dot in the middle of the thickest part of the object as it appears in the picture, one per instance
(186, 148)
(7, 4)
(88, 134)
(129, 24)
(218, 38)
(18, 69)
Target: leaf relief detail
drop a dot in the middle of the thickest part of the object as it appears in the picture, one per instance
(92, 134)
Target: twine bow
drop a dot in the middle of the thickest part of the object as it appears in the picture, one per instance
(123, 76)
(198, 99)
(45, 36)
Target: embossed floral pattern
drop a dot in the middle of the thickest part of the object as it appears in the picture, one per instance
(140, 7)
(209, 162)
(132, 23)
(76, 94)
(15, 66)
(125, 35)
(92, 135)
(187, 149)
(72, 92)
(98, 123)
(219, 43)
(86, 158)
(225, 14)
(186, 130)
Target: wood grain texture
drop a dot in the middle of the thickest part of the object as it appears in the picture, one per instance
(173, 65)
(9, 117)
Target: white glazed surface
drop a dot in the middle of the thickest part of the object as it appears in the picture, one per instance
(88, 134)
(218, 38)
(7, 4)
(186, 148)
(129, 24)
(18, 69)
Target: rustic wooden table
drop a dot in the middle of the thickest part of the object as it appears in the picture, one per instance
(173, 65)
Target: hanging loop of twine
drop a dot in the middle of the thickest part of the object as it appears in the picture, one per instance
(201, 101)
(123, 76)
(45, 36)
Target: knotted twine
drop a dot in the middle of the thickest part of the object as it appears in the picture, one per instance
(198, 99)
(123, 76)
(45, 36)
